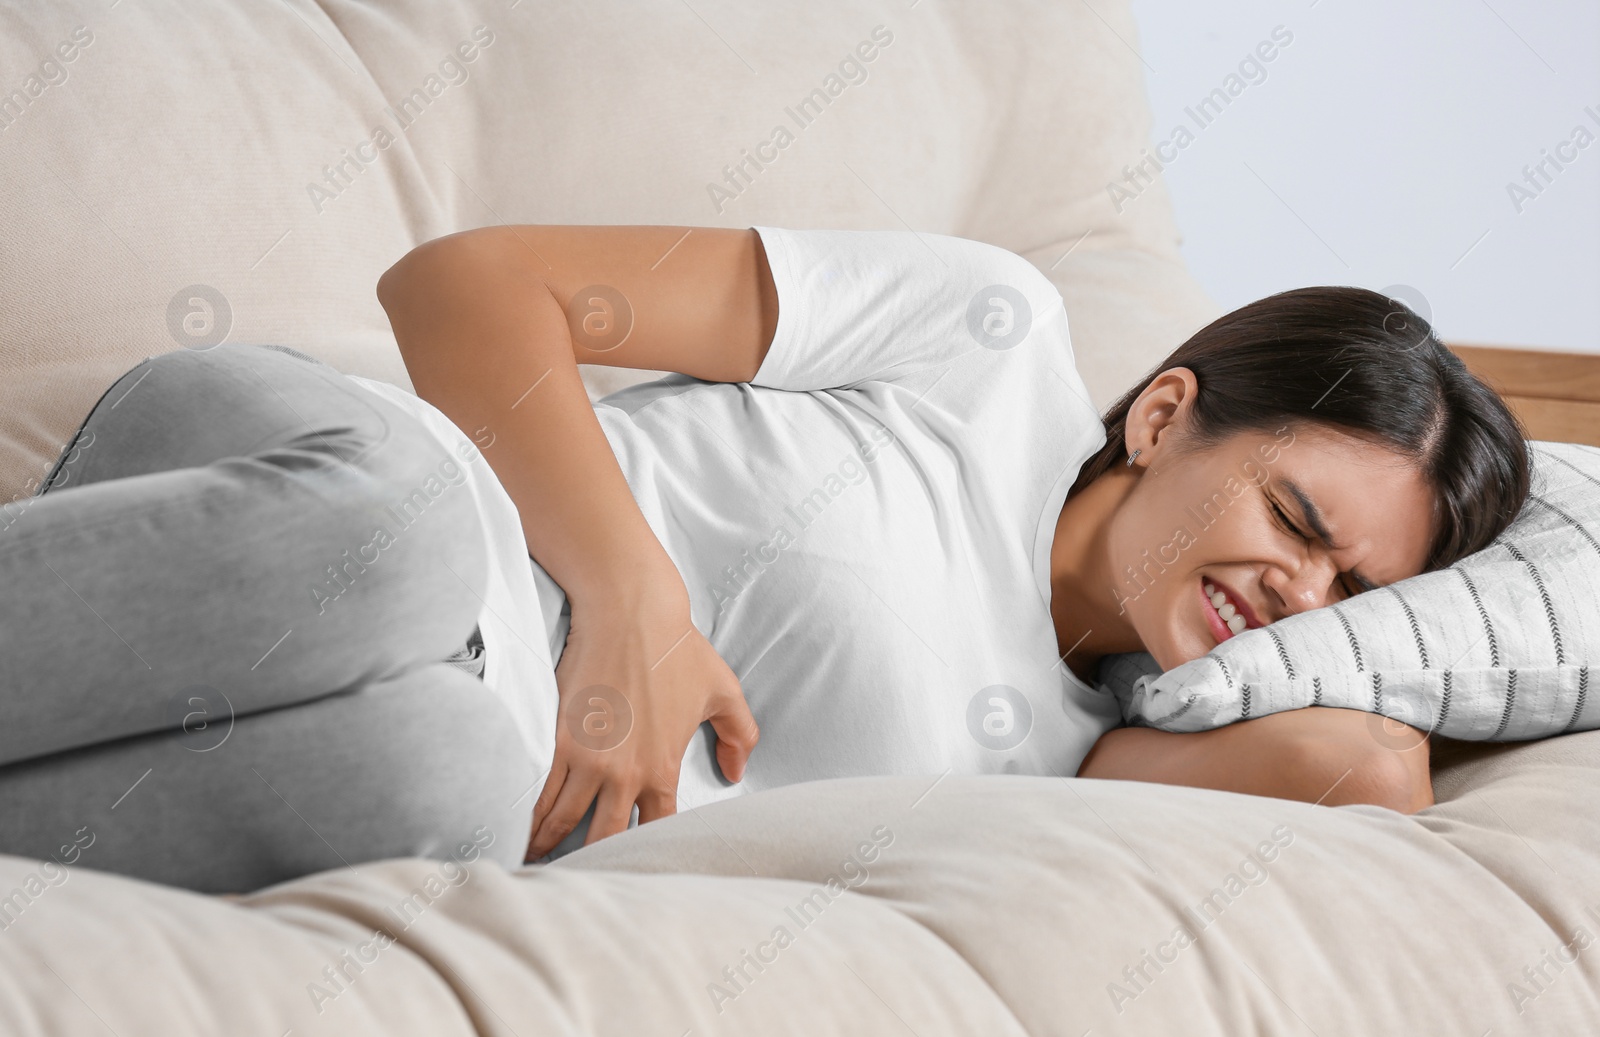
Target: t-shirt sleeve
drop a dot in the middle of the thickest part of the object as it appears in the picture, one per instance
(860, 306)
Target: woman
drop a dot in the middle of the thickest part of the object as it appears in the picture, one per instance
(873, 500)
(899, 623)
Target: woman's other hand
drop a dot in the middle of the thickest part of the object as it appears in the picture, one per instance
(636, 679)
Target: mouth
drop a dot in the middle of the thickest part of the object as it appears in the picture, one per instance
(1226, 613)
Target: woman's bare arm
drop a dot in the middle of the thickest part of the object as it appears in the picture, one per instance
(1318, 754)
(492, 329)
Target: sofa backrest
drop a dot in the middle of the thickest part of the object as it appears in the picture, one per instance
(183, 173)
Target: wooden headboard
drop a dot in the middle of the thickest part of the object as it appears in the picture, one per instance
(1557, 395)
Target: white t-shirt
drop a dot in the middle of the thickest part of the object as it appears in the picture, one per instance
(864, 529)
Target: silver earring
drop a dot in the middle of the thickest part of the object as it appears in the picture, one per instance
(1132, 456)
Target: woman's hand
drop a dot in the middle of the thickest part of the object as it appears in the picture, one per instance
(636, 679)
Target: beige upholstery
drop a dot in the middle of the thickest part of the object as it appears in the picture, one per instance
(992, 905)
(178, 150)
(189, 147)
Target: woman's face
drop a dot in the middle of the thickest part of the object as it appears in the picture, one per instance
(1239, 520)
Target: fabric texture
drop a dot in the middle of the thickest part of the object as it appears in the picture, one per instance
(160, 196)
(999, 905)
(469, 658)
(1499, 646)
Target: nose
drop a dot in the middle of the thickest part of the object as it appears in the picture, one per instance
(1304, 586)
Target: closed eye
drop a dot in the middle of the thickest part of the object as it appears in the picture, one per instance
(1283, 520)
(1292, 530)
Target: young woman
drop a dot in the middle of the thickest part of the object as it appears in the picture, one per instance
(269, 619)
(1001, 539)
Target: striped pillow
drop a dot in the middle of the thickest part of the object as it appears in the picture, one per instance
(1497, 647)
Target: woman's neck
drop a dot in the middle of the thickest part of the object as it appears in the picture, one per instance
(1083, 605)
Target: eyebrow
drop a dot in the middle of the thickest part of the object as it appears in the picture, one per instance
(1319, 525)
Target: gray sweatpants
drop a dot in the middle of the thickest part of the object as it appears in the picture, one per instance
(202, 684)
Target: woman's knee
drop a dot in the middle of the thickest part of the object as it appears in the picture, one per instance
(187, 408)
(380, 482)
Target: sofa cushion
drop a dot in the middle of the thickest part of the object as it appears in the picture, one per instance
(993, 905)
(1121, 907)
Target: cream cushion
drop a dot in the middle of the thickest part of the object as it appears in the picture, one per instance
(985, 905)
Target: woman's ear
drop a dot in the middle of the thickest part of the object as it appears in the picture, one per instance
(1158, 418)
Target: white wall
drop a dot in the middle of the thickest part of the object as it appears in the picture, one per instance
(1377, 150)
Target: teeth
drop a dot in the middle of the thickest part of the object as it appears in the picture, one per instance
(1227, 610)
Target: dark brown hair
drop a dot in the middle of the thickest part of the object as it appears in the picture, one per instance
(1368, 366)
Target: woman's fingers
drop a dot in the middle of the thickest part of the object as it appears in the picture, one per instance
(656, 803)
(638, 762)
(737, 735)
(577, 792)
(547, 799)
(613, 808)
(552, 788)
